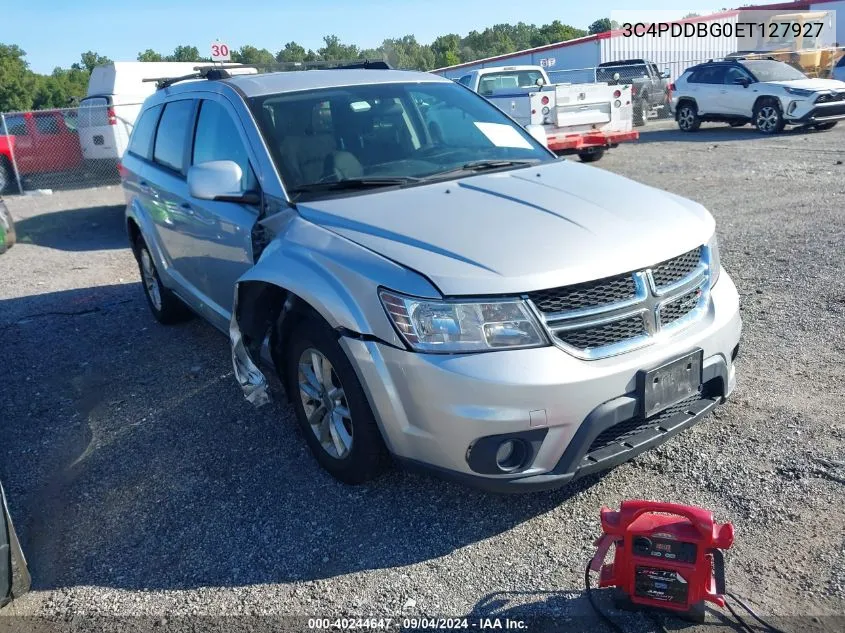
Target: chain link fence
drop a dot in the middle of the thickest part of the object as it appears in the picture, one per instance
(67, 148)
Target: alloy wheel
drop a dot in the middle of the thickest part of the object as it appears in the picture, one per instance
(767, 119)
(686, 118)
(324, 401)
(150, 280)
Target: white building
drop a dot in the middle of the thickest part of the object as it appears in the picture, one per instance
(675, 54)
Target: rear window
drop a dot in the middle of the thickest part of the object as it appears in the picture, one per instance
(141, 143)
(172, 133)
(509, 79)
(93, 112)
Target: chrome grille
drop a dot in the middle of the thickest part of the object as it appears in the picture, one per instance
(586, 295)
(616, 314)
(673, 270)
(604, 334)
(831, 97)
(679, 308)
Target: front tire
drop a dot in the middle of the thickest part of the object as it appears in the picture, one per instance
(687, 118)
(641, 111)
(331, 408)
(768, 118)
(166, 307)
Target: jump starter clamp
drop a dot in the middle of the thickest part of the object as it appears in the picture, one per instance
(667, 557)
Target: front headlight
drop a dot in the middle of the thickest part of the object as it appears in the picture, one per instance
(715, 261)
(800, 92)
(462, 326)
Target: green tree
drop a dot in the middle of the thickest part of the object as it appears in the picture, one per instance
(251, 55)
(16, 81)
(292, 52)
(89, 60)
(599, 26)
(335, 50)
(184, 54)
(447, 50)
(150, 55)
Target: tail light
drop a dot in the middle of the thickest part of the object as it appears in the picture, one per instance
(633, 90)
(544, 101)
(671, 88)
(617, 94)
(112, 116)
(121, 170)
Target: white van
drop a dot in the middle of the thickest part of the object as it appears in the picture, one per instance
(116, 92)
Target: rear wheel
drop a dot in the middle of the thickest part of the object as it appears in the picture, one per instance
(688, 120)
(331, 407)
(768, 119)
(826, 126)
(591, 156)
(641, 110)
(166, 307)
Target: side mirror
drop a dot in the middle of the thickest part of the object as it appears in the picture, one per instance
(538, 132)
(742, 81)
(540, 82)
(665, 74)
(219, 180)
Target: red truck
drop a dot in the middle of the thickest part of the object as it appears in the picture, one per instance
(42, 142)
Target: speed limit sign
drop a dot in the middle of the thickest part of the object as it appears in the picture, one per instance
(220, 52)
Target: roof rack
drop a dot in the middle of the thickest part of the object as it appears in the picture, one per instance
(744, 56)
(219, 71)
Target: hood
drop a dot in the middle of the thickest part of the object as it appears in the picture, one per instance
(811, 84)
(521, 230)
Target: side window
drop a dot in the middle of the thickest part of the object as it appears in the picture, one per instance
(465, 80)
(16, 125)
(47, 124)
(708, 75)
(732, 74)
(217, 138)
(172, 133)
(141, 143)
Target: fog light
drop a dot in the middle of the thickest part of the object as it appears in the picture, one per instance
(617, 103)
(510, 455)
(792, 106)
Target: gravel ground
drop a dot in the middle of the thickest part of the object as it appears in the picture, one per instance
(143, 484)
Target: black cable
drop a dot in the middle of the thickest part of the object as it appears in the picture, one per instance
(751, 612)
(605, 618)
(742, 623)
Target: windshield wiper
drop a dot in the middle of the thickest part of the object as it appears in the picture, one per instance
(481, 165)
(354, 183)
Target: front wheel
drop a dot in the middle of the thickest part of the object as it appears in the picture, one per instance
(591, 156)
(688, 119)
(768, 119)
(641, 111)
(331, 407)
(825, 126)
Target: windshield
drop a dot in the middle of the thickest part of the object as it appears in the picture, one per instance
(386, 131)
(771, 70)
(509, 79)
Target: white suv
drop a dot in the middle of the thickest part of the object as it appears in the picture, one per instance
(766, 92)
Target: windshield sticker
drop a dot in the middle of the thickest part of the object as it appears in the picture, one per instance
(503, 135)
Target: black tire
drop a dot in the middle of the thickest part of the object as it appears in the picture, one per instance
(641, 109)
(7, 177)
(687, 117)
(591, 156)
(367, 456)
(168, 309)
(768, 117)
(826, 126)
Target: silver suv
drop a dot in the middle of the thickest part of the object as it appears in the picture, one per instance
(454, 296)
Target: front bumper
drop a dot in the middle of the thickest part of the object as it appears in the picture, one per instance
(440, 411)
(821, 114)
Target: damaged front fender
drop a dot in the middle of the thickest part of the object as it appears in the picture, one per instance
(252, 380)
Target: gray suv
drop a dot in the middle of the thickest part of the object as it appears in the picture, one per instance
(455, 297)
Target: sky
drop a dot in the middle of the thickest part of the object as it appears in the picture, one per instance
(55, 32)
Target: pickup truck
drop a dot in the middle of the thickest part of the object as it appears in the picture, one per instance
(38, 142)
(649, 86)
(583, 119)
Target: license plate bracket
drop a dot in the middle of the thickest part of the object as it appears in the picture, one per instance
(669, 384)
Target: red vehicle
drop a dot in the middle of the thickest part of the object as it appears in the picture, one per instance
(43, 142)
